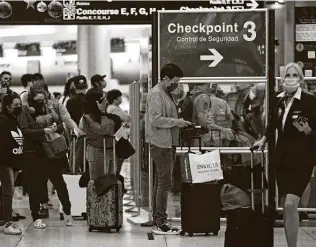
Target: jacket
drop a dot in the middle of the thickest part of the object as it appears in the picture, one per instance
(33, 127)
(95, 132)
(11, 143)
(294, 150)
(161, 119)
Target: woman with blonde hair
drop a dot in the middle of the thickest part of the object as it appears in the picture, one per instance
(294, 159)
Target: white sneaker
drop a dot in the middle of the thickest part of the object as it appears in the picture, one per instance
(2, 226)
(38, 224)
(12, 229)
(68, 220)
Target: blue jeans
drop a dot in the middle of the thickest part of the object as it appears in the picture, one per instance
(164, 159)
(7, 191)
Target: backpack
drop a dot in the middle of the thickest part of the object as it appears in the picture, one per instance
(116, 119)
(186, 108)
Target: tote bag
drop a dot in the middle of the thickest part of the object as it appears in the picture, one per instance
(201, 168)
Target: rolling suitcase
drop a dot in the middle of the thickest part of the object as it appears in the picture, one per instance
(248, 227)
(105, 212)
(77, 195)
(200, 206)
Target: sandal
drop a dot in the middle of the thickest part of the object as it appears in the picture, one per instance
(38, 224)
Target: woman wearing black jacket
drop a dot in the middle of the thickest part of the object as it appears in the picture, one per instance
(11, 143)
(295, 156)
(46, 120)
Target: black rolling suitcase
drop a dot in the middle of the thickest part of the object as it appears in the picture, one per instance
(249, 227)
(200, 206)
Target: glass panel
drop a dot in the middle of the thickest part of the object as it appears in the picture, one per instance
(230, 114)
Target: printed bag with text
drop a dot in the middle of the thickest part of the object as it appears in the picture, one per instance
(201, 168)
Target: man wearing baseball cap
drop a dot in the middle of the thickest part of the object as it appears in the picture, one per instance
(75, 109)
(98, 82)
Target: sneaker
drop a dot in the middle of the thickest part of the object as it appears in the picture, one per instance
(43, 213)
(12, 229)
(68, 220)
(2, 226)
(38, 224)
(165, 229)
(47, 205)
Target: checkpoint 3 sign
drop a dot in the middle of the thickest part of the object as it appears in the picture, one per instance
(214, 44)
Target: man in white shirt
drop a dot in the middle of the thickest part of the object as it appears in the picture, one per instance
(114, 98)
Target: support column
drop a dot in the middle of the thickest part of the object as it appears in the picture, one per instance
(83, 49)
(289, 32)
(94, 51)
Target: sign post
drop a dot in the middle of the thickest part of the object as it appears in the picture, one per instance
(219, 44)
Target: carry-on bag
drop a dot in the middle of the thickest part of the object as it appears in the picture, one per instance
(251, 226)
(105, 209)
(77, 195)
(200, 206)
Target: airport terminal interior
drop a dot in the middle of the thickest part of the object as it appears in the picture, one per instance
(124, 54)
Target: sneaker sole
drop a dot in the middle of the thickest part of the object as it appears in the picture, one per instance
(165, 233)
(18, 233)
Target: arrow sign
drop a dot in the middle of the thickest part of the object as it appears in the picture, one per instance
(216, 57)
(253, 4)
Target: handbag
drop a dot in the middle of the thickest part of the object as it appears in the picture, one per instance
(55, 146)
(124, 148)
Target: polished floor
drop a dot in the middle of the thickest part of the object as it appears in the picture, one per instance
(58, 235)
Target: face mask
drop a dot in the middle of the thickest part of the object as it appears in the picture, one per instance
(17, 111)
(291, 85)
(172, 87)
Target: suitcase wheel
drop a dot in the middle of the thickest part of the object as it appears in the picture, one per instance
(90, 229)
(190, 234)
(215, 233)
(84, 216)
(207, 233)
(182, 233)
(61, 216)
(118, 228)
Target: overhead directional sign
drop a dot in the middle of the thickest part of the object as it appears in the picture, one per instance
(216, 43)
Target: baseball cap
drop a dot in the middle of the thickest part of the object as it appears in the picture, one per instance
(97, 77)
(80, 82)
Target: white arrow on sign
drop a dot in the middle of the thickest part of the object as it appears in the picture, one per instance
(216, 57)
(253, 4)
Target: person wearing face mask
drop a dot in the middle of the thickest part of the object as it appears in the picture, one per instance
(162, 133)
(47, 119)
(11, 153)
(96, 125)
(294, 156)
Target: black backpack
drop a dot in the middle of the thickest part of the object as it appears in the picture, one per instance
(186, 108)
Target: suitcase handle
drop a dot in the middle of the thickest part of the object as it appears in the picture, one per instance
(74, 139)
(253, 191)
(114, 151)
(200, 143)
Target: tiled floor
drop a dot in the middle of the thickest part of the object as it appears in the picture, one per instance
(58, 235)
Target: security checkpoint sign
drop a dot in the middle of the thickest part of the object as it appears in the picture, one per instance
(214, 44)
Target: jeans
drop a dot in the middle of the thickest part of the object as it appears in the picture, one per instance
(7, 191)
(97, 165)
(38, 169)
(164, 159)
